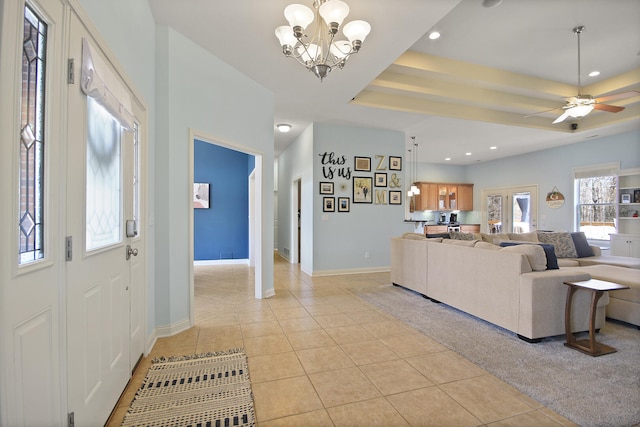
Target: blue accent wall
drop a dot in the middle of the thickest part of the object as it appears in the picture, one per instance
(222, 231)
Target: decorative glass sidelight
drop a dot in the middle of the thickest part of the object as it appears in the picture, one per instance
(103, 178)
(494, 213)
(32, 139)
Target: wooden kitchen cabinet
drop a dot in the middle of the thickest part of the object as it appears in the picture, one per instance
(470, 228)
(435, 229)
(427, 200)
(465, 197)
(444, 197)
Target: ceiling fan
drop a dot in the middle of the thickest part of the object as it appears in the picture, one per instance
(580, 105)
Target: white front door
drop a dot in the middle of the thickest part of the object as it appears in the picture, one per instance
(99, 201)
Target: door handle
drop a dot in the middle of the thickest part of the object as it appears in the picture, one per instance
(131, 251)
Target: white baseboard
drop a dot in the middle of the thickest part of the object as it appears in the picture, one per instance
(222, 262)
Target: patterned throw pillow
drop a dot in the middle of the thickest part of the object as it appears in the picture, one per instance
(562, 243)
(457, 235)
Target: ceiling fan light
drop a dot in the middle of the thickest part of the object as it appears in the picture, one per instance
(580, 111)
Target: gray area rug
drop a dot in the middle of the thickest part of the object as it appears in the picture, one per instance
(590, 391)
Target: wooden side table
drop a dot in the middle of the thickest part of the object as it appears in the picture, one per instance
(597, 288)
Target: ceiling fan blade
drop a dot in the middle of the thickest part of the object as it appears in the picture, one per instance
(540, 112)
(616, 96)
(561, 117)
(607, 107)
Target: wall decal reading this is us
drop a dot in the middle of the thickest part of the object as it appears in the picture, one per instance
(333, 166)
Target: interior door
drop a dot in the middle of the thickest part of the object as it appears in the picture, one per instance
(510, 210)
(99, 199)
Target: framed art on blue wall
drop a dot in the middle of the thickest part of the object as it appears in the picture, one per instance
(200, 195)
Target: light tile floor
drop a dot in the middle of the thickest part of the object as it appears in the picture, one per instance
(319, 356)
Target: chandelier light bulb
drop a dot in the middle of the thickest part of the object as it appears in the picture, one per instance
(333, 12)
(311, 53)
(357, 31)
(340, 49)
(298, 15)
(287, 40)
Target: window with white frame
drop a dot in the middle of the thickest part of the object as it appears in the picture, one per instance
(31, 140)
(595, 196)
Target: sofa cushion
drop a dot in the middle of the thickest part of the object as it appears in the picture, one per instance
(470, 243)
(487, 245)
(568, 262)
(524, 237)
(562, 243)
(494, 238)
(583, 249)
(414, 236)
(534, 253)
(552, 259)
(457, 235)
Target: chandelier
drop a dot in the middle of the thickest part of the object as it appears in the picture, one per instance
(320, 53)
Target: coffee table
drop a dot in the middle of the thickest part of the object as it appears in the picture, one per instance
(597, 288)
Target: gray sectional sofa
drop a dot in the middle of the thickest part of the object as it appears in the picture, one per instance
(510, 286)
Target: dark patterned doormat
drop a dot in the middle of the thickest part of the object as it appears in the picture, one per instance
(207, 390)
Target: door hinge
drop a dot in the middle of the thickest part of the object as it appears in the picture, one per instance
(71, 77)
(71, 419)
(68, 248)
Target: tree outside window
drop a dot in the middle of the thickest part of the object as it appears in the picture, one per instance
(596, 210)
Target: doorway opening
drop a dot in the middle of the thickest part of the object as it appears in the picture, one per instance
(254, 213)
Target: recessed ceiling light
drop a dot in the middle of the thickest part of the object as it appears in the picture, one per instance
(467, 154)
(284, 127)
(447, 158)
(434, 35)
(594, 73)
(493, 148)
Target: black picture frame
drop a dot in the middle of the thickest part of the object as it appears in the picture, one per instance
(328, 204)
(395, 163)
(344, 204)
(636, 196)
(380, 179)
(395, 197)
(326, 187)
(362, 189)
(362, 164)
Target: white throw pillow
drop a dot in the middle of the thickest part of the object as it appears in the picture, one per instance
(534, 253)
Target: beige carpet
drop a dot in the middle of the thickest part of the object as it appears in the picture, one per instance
(208, 390)
(590, 391)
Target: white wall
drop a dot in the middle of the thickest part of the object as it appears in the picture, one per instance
(296, 163)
